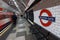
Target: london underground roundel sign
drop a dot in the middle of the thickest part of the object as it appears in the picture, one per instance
(49, 18)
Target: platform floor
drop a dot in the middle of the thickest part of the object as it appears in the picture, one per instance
(21, 31)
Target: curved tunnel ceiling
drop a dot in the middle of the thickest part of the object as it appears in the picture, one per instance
(20, 4)
(6, 6)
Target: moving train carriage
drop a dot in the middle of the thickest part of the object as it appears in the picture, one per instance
(44, 15)
(5, 21)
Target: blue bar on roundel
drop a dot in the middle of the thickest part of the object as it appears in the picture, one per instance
(47, 18)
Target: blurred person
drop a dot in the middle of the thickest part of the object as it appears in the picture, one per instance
(14, 18)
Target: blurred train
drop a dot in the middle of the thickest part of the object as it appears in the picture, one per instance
(44, 16)
(5, 21)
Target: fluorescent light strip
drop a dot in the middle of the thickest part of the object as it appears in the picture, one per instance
(29, 4)
(31, 22)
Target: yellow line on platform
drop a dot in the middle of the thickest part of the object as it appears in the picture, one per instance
(4, 30)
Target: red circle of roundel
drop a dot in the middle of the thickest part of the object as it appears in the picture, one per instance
(49, 15)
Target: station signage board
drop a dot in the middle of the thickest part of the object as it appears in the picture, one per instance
(49, 19)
